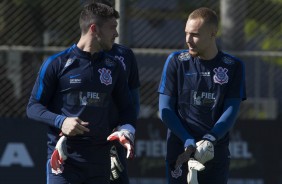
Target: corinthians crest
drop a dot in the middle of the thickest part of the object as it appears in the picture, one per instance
(177, 172)
(185, 56)
(220, 75)
(105, 76)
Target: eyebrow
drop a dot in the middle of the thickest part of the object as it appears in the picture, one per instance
(192, 33)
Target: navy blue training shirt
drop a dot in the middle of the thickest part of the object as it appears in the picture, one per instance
(201, 88)
(127, 59)
(74, 83)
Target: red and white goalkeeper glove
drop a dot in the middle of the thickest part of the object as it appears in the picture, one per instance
(59, 156)
(125, 135)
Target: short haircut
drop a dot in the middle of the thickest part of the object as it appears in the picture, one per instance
(208, 15)
(87, 2)
(96, 13)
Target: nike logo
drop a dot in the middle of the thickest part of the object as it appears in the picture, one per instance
(189, 74)
(74, 76)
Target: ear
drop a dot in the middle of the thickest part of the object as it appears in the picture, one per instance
(93, 28)
(214, 32)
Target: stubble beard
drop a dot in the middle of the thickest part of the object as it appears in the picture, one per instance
(194, 54)
(102, 43)
(105, 46)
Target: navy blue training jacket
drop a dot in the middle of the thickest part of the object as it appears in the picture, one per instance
(201, 88)
(74, 83)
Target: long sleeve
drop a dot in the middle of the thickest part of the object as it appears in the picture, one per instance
(227, 119)
(136, 100)
(42, 93)
(170, 119)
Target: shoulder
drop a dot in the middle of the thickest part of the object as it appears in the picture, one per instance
(179, 56)
(118, 49)
(110, 60)
(58, 59)
(176, 59)
(230, 59)
(109, 57)
(124, 54)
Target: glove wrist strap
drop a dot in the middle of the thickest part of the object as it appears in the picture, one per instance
(210, 138)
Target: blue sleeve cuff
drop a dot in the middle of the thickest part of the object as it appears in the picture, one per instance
(189, 142)
(59, 121)
(127, 127)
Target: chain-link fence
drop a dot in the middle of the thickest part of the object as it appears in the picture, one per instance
(250, 29)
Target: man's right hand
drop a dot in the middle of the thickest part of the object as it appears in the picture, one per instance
(190, 148)
(59, 155)
(74, 126)
(185, 156)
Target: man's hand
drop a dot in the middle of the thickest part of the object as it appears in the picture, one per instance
(74, 126)
(193, 167)
(205, 149)
(185, 156)
(116, 166)
(126, 138)
(59, 156)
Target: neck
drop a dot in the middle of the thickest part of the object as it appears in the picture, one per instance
(210, 53)
(88, 44)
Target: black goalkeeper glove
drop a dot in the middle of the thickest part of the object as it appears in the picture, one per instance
(116, 165)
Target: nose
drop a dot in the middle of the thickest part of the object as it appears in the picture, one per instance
(188, 38)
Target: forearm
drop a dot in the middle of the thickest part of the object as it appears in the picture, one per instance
(228, 118)
(38, 112)
(170, 119)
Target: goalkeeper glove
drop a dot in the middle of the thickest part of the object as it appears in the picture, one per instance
(59, 156)
(185, 156)
(116, 166)
(125, 135)
(205, 149)
(193, 167)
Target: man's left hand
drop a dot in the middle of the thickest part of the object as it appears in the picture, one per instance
(126, 138)
(205, 149)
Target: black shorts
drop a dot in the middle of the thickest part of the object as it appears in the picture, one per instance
(75, 172)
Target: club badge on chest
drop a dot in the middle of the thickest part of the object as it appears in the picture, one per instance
(220, 75)
(105, 76)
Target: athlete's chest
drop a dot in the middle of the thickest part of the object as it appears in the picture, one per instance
(89, 76)
(204, 75)
(124, 61)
